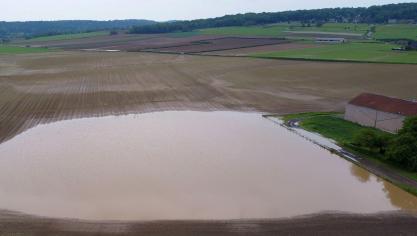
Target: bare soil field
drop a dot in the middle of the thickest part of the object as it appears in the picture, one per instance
(124, 42)
(85, 43)
(160, 41)
(261, 49)
(13, 223)
(39, 88)
(220, 44)
(157, 43)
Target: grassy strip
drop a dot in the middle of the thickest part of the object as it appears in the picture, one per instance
(335, 128)
(332, 126)
(353, 52)
(334, 28)
(182, 34)
(68, 36)
(272, 31)
(9, 49)
(280, 29)
(396, 31)
(303, 116)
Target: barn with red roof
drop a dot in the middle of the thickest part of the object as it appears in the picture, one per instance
(381, 112)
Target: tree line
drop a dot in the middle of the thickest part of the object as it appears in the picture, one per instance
(374, 14)
(31, 29)
(400, 149)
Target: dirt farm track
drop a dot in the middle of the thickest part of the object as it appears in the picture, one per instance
(42, 88)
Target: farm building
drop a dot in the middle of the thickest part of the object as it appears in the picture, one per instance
(379, 111)
(331, 40)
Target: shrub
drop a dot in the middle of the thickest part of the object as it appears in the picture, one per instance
(370, 140)
(403, 149)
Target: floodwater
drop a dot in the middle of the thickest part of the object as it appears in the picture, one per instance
(182, 165)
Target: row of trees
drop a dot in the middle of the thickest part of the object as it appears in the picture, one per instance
(44, 28)
(400, 149)
(375, 14)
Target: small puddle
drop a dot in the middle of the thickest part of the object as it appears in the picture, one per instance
(182, 165)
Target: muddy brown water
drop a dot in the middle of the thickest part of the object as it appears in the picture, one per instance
(182, 165)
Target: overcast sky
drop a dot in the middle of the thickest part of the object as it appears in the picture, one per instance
(161, 10)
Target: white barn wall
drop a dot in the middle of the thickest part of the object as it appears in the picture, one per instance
(369, 117)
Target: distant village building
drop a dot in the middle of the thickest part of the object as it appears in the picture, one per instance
(411, 45)
(392, 21)
(402, 21)
(331, 40)
(406, 45)
(380, 112)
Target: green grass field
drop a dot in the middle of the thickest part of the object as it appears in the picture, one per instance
(396, 31)
(182, 34)
(360, 52)
(334, 28)
(280, 29)
(275, 30)
(332, 125)
(69, 36)
(9, 49)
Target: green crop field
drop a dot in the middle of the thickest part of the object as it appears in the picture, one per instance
(361, 52)
(182, 34)
(69, 36)
(396, 31)
(275, 30)
(383, 32)
(334, 28)
(280, 29)
(8, 49)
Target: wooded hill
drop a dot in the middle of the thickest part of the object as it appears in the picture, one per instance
(374, 14)
(44, 28)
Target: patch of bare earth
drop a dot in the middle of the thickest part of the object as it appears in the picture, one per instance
(123, 42)
(261, 49)
(219, 44)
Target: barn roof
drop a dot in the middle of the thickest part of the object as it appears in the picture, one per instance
(386, 104)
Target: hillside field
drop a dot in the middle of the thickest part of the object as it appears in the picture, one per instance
(359, 52)
(68, 36)
(8, 49)
(397, 31)
(282, 29)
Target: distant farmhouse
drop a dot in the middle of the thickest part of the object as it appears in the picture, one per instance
(403, 21)
(406, 45)
(331, 40)
(381, 112)
(411, 45)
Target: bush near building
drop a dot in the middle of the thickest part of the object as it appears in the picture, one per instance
(402, 150)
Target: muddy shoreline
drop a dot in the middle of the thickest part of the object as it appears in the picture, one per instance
(333, 223)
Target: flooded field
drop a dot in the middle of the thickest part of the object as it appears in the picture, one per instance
(182, 165)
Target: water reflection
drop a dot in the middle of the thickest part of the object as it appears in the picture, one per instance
(361, 174)
(399, 197)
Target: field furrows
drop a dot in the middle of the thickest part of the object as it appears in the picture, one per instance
(56, 86)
